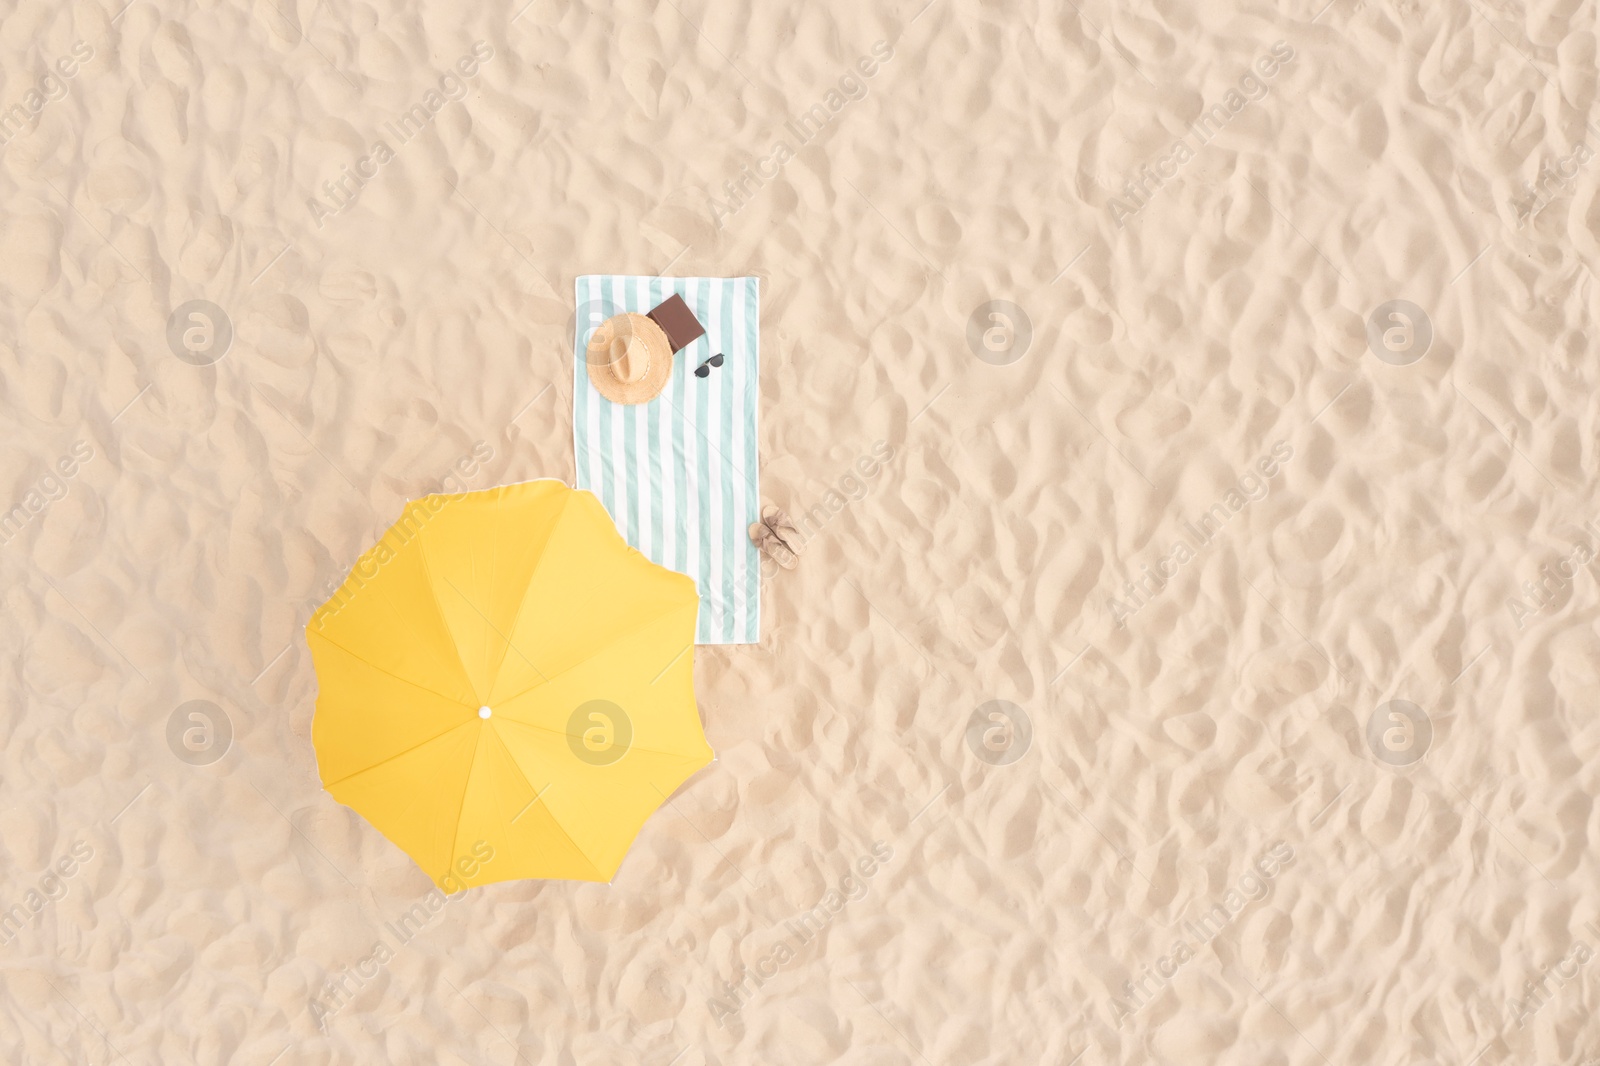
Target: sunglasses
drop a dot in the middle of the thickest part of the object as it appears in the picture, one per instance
(704, 369)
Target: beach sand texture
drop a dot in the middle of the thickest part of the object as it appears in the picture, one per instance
(1191, 411)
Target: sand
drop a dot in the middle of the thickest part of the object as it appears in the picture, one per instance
(1198, 675)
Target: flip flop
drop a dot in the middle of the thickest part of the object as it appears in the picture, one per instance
(782, 526)
(772, 546)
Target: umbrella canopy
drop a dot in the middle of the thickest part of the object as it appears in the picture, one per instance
(506, 688)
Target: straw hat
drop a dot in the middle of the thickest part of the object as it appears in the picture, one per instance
(629, 359)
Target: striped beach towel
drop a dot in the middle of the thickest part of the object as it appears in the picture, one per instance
(678, 474)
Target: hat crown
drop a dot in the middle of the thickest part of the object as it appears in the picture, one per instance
(630, 358)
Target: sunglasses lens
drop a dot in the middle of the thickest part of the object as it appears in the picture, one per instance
(702, 371)
(715, 360)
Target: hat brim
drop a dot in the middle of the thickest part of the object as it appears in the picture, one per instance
(657, 347)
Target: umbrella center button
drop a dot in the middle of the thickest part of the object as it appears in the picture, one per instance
(484, 712)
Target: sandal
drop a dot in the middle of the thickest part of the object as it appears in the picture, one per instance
(778, 521)
(772, 545)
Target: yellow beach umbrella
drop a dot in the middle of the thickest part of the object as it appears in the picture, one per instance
(506, 688)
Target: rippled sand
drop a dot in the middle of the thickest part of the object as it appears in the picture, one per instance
(1214, 837)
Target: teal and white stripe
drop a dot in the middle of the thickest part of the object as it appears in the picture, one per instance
(679, 474)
